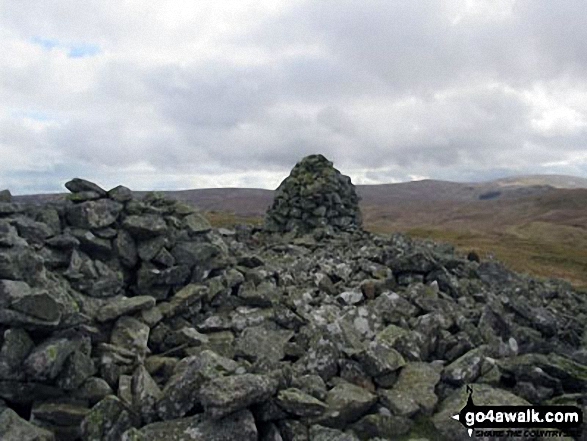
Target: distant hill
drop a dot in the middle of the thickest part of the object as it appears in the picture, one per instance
(556, 181)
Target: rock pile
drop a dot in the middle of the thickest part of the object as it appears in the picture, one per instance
(314, 195)
(125, 319)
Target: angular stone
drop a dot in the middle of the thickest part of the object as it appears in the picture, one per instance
(261, 342)
(379, 426)
(320, 433)
(131, 334)
(347, 403)
(466, 369)
(107, 421)
(77, 185)
(126, 249)
(300, 404)
(39, 305)
(572, 375)
(237, 426)
(183, 300)
(93, 390)
(76, 370)
(120, 193)
(94, 214)
(145, 394)
(195, 223)
(224, 395)
(63, 242)
(124, 306)
(379, 359)
(14, 428)
(194, 253)
(149, 248)
(32, 231)
(46, 360)
(144, 226)
(414, 390)
(59, 414)
(16, 347)
(21, 263)
(180, 392)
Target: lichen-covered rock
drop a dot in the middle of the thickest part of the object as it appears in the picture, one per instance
(94, 214)
(237, 426)
(144, 226)
(107, 421)
(14, 428)
(123, 306)
(347, 403)
(180, 393)
(314, 195)
(299, 403)
(414, 390)
(46, 360)
(224, 395)
(145, 394)
(377, 425)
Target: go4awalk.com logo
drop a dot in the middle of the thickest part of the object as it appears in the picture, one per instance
(518, 421)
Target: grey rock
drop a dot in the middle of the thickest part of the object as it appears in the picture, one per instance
(120, 193)
(77, 185)
(76, 370)
(46, 360)
(94, 214)
(93, 390)
(58, 413)
(32, 231)
(381, 426)
(124, 306)
(224, 395)
(320, 433)
(238, 426)
(300, 404)
(379, 359)
(347, 403)
(149, 248)
(195, 223)
(145, 394)
(414, 391)
(14, 428)
(126, 249)
(131, 334)
(107, 421)
(261, 342)
(178, 395)
(16, 347)
(144, 226)
(466, 369)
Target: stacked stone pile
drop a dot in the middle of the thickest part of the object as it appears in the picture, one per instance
(125, 319)
(315, 194)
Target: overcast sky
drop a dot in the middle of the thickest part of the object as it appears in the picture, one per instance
(193, 94)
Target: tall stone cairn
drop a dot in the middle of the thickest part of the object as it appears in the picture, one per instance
(314, 195)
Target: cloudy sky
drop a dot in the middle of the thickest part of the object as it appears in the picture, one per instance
(192, 94)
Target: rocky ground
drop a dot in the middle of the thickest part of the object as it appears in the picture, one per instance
(126, 319)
